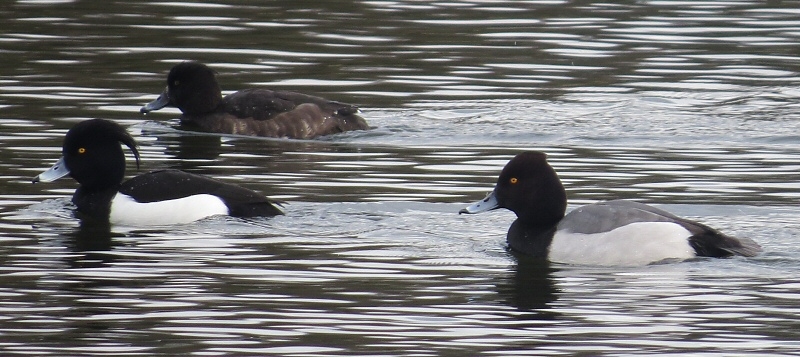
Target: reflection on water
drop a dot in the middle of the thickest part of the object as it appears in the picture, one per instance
(688, 105)
(531, 287)
(384, 278)
(91, 242)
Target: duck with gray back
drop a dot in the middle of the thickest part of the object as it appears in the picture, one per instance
(192, 87)
(618, 232)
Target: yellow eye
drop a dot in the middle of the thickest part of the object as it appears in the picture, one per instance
(176, 83)
(81, 150)
(513, 180)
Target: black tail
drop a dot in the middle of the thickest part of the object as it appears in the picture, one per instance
(718, 245)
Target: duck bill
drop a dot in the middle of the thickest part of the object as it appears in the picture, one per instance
(56, 172)
(487, 204)
(160, 102)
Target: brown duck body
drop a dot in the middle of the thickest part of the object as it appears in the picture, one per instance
(263, 112)
(192, 87)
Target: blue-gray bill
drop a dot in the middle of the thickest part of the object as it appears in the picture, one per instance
(486, 204)
(160, 102)
(56, 172)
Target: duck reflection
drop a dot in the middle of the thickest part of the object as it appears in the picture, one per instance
(531, 286)
(92, 240)
(193, 147)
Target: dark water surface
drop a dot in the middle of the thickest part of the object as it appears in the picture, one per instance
(688, 105)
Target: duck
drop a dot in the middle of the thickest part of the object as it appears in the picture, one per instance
(92, 155)
(192, 87)
(608, 233)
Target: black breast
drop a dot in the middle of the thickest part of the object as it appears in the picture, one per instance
(530, 240)
(95, 204)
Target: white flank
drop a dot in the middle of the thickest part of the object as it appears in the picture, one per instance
(634, 244)
(126, 211)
